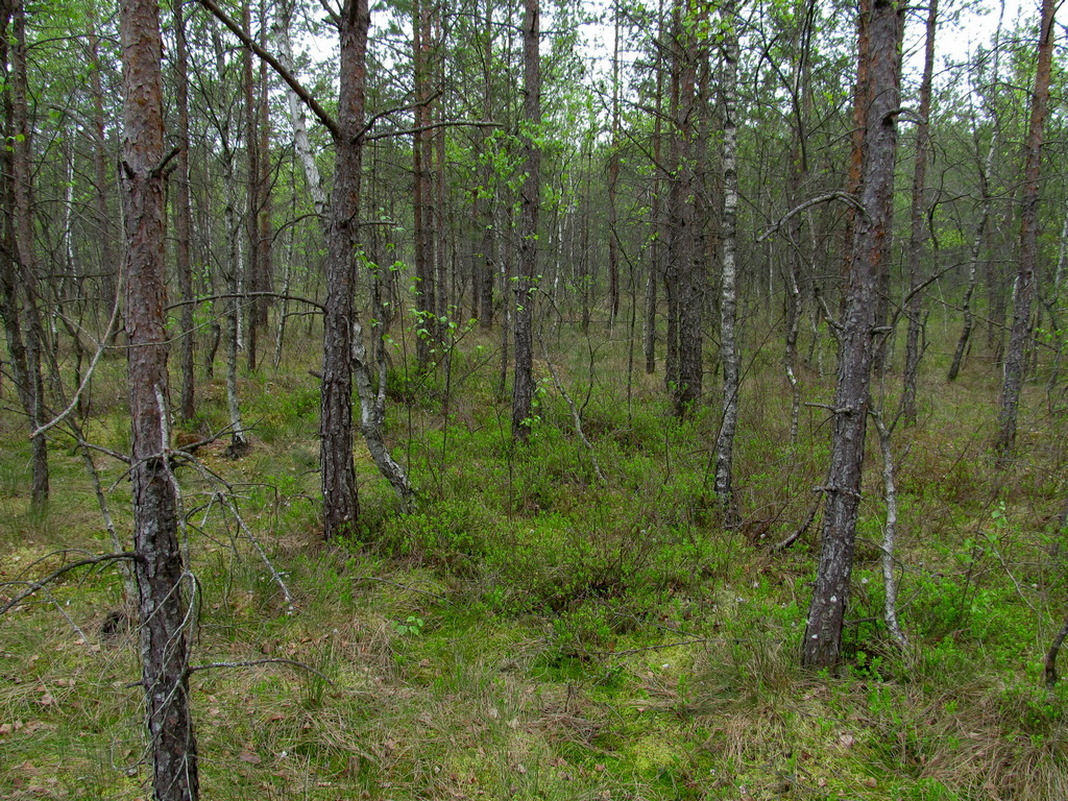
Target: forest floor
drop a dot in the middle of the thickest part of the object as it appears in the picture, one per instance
(531, 631)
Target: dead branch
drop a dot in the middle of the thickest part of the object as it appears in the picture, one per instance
(268, 661)
(35, 586)
(844, 197)
(575, 416)
(276, 65)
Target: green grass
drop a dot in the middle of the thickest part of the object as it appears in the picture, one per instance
(530, 631)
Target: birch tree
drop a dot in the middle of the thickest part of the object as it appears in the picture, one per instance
(728, 291)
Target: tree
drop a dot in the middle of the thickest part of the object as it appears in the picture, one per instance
(1012, 384)
(426, 285)
(158, 567)
(728, 290)
(684, 277)
(183, 214)
(343, 353)
(858, 335)
(917, 219)
(19, 286)
(526, 286)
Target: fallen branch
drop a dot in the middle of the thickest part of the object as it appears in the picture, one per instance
(35, 586)
(268, 661)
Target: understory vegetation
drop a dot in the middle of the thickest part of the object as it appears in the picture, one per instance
(550, 621)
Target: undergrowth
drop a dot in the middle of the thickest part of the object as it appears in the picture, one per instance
(551, 622)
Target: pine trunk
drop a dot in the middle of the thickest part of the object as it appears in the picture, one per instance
(160, 573)
(857, 337)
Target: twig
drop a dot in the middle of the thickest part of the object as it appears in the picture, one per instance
(268, 661)
(245, 296)
(799, 531)
(35, 586)
(432, 127)
(648, 648)
(574, 415)
(845, 197)
(69, 619)
(89, 371)
(226, 498)
(403, 587)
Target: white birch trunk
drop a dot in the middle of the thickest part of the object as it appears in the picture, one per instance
(729, 297)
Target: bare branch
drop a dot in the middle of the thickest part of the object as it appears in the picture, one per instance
(268, 661)
(844, 197)
(92, 365)
(432, 127)
(35, 586)
(276, 65)
(575, 416)
(244, 296)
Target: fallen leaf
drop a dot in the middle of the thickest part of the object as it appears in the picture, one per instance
(847, 740)
(248, 756)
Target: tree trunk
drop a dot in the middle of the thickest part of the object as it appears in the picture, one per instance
(422, 194)
(26, 256)
(801, 91)
(857, 338)
(613, 180)
(164, 613)
(523, 375)
(728, 505)
(341, 506)
(301, 142)
(1012, 385)
(102, 162)
(252, 199)
(917, 231)
(484, 205)
(183, 214)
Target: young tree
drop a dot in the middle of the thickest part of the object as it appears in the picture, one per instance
(19, 286)
(342, 353)
(183, 214)
(164, 613)
(985, 207)
(728, 289)
(917, 235)
(424, 240)
(1025, 278)
(523, 377)
(684, 276)
(857, 335)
